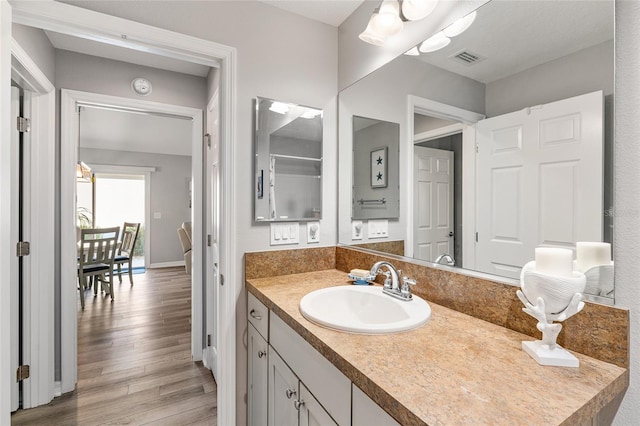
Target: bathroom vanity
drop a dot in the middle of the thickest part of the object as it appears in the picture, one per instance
(455, 369)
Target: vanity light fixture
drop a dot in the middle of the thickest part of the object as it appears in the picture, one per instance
(460, 26)
(279, 107)
(311, 113)
(387, 20)
(435, 42)
(415, 10)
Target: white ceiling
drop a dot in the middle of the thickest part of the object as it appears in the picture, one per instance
(127, 131)
(516, 35)
(332, 12)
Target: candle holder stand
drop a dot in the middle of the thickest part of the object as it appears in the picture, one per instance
(556, 299)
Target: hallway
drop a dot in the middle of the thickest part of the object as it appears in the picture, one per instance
(134, 362)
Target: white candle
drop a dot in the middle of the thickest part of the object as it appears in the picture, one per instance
(590, 254)
(554, 261)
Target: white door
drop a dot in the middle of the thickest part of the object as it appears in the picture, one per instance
(531, 166)
(15, 311)
(311, 412)
(283, 392)
(257, 374)
(433, 203)
(212, 218)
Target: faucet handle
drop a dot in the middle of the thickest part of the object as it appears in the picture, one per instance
(387, 278)
(406, 289)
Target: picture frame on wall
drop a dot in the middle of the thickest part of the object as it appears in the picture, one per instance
(379, 168)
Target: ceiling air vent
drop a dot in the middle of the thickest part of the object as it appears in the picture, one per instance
(467, 57)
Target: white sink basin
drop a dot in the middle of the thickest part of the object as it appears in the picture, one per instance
(363, 309)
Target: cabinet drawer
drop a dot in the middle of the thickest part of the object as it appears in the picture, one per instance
(258, 315)
(331, 388)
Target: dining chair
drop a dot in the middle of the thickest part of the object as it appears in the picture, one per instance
(127, 244)
(98, 247)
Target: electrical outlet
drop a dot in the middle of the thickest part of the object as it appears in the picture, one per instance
(356, 230)
(313, 232)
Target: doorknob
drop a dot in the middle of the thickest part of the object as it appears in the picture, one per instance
(451, 234)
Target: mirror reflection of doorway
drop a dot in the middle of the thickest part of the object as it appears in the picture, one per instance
(437, 186)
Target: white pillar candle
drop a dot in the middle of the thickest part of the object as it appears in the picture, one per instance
(554, 261)
(590, 254)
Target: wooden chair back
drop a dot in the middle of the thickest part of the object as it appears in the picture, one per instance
(129, 237)
(98, 246)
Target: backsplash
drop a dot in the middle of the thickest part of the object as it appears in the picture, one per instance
(599, 331)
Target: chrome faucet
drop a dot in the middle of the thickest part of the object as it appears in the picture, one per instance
(391, 282)
(391, 276)
(450, 261)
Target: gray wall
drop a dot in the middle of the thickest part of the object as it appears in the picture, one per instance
(583, 72)
(169, 195)
(105, 76)
(35, 42)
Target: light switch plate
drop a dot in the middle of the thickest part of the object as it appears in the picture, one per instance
(357, 229)
(378, 228)
(313, 232)
(285, 233)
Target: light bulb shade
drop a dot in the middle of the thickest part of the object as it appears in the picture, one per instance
(83, 172)
(387, 22)
(435, 42)
(460, 25)
(413, 51)
(279, 107)
(414, 10)
(369, 35)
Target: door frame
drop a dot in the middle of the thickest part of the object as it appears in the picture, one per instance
(69, 101)
(87, 24)
(416, 104)
(38, 286)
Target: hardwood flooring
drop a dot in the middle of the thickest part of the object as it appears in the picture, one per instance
(134, 360)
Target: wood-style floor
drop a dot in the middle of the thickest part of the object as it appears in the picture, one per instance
(134, 360)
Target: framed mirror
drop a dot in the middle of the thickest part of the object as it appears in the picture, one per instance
(376, 149)
(288, 162)
(515, 58)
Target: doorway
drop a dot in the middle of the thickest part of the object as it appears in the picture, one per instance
(164, 43)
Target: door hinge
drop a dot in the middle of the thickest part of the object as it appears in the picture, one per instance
(22, 373)
(477, 149)
(221, 279)
(207, 139)
(23, 248)
(476, 237)
(208, 340)
(208, 240)
(24, 124)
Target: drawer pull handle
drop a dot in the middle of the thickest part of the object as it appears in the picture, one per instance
(255, 315)
(298, 403)
(262, 353)
(289, 393)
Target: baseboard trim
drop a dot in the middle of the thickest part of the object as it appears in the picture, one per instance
(166, 264)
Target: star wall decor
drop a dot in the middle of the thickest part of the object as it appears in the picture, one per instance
(379, 168)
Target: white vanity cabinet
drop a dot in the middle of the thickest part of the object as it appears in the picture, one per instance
(365, 412)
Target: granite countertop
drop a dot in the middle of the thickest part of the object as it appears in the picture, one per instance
(455, 369)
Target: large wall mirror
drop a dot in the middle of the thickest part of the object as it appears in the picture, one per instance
(528, 86)
(288, 162)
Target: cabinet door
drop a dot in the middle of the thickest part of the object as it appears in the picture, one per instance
(283, 392)
(311, 412)
(257, 375)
